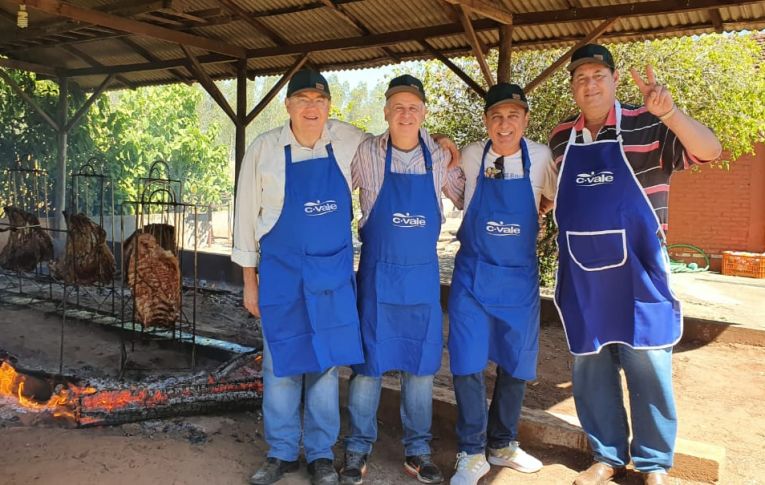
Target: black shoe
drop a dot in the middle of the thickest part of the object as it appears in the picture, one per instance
(271, 471)
(423, 469)
(322, 472)
(354, 469)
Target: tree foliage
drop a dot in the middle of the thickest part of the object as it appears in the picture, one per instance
(162, 123)
(717, 79)
(128, 131)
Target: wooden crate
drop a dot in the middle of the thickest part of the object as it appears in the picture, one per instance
(739, 263)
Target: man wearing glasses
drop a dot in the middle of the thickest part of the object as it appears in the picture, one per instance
(494, 297)
(293, 239)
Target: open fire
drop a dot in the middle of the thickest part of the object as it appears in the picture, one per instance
(37, 394)
(235, 385)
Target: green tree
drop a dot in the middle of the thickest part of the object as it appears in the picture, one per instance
(162, 123)
(717, 79)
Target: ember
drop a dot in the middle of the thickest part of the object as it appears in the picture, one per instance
(235, 385)
(37, 394)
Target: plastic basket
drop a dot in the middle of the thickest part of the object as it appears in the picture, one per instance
(738, 263)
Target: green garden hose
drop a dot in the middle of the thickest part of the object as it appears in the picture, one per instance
(681, 267)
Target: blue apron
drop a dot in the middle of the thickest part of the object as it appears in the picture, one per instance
(307, 288)
(399, 284)
(494, 297)
(613, 277)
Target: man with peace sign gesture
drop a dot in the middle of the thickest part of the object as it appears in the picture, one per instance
(612, 289)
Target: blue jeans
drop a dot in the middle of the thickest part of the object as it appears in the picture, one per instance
(600, 406)
(503, 414)
(282, 397)
(416, 412)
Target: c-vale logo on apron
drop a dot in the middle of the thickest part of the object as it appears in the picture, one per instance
(494, 228)
(594, 178)
(407, 220)
(320, 208)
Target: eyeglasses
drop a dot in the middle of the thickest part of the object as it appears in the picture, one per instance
(320, 102)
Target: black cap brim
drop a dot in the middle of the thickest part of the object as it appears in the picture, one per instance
(314, 90)
(518, 102)
(404, 89)
(587, 60)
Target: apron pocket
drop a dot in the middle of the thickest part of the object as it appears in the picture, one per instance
(333, 308)
(408, 322)
(597, 250)
(327, 273)
(407, 284)
(330, 290)
(505, 286)
(284, 321)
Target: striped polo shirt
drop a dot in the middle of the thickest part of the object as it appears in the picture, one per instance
(652, 150)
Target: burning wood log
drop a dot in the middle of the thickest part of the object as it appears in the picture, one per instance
(154, 277)
(87, 258)
(234, 386)
(28, 244)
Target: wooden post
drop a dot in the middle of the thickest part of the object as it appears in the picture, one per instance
(241, 119)
(59, 201)
(505, 47)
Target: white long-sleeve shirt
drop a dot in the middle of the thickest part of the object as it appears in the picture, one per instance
(260, 196)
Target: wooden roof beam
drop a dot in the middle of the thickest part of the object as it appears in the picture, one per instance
(31, 67)
(63, 9)
(475, 43)
(487, 9)
(209, 85)
(477, 88)
(124, 8)
(375, 40)
(597, 32)
(89, 60)
(151, 57)
(275, 89)
(29, 100)
(84, 108)
(298, 8)
(357, 24)
(625, 10)
(716, 18)
(258, 25)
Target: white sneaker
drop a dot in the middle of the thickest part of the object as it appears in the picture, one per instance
(514, 457)
(470, 469)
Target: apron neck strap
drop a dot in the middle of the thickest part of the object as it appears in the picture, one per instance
(425, 153)
(526, 159)
(617, 112)
(288, 152)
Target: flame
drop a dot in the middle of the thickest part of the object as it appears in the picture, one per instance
(60, 405)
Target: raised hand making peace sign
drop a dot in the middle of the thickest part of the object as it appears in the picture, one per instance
(656, 97)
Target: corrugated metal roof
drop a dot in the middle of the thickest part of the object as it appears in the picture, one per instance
(344, 34)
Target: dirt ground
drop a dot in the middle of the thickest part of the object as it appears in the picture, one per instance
(720, 389)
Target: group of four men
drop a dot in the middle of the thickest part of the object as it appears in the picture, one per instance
(606, 172)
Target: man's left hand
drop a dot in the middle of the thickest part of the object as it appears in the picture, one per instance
(656, 97)
(448, 144)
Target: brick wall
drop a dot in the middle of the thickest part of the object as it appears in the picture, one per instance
(720, 210)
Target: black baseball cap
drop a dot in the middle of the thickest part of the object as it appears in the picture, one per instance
(505, 93)
(308, 80)
(405, 84)
(591, 53)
